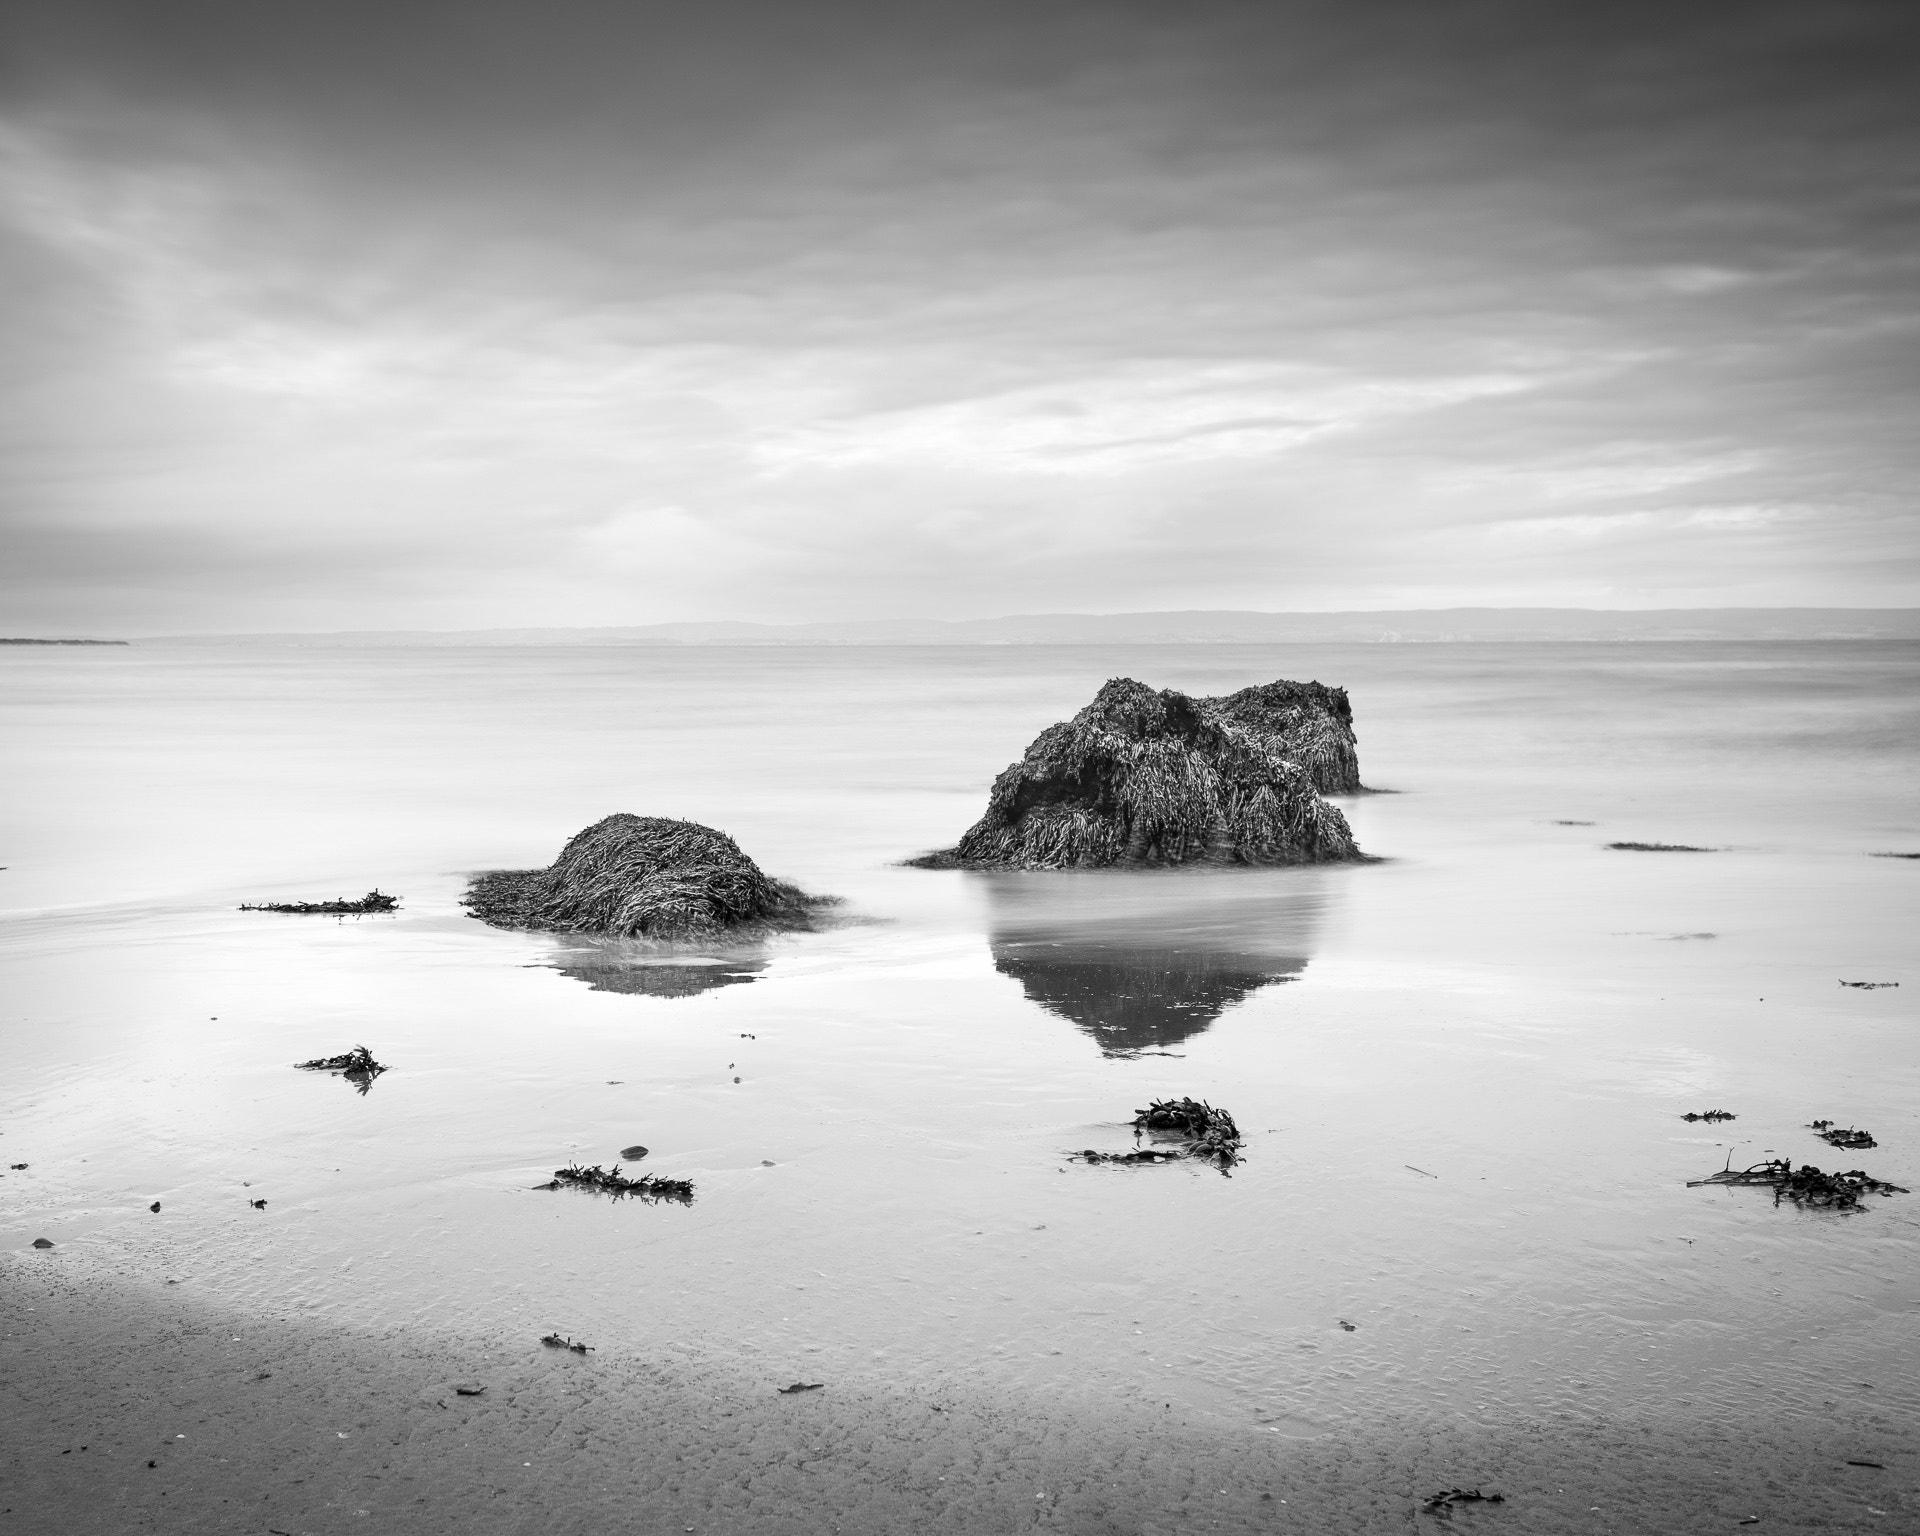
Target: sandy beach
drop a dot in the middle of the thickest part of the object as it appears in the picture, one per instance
(151, 1409)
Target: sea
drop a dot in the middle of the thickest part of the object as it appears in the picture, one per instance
(1463, 1071)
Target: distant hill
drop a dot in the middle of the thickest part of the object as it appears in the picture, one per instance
(1198, 627)
(4, 640)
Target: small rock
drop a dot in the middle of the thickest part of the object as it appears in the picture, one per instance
(42, 1242)
(258, 1205)
(766, 1162)
(469, 1389)
(155, 1207)
(634, 1153)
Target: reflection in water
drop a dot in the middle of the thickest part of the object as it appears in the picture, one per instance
(616, 965)
(1143, 960)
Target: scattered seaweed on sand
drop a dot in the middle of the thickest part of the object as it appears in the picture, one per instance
(802, 1386)
(1713, 1115)
(643, 877)
(1894, 855)
(1658, 848)
(1805, 1185)
(610, 1181)
(560, 1341)
(1443, 1503)
(1204, 1132)
(1850, 1139)
(357, 1066)
(373, 901)
(1869, 986)
(1145, 778)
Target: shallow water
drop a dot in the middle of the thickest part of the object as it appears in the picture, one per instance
(1461, 1071)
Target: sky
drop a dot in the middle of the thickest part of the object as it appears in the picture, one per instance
(329, 314)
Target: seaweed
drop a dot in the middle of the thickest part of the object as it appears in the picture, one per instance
(1443, 1503)
(1850, 1139)
(1143, 1155)
(1806, 1185)
(373, 901)
(643, 877)
(1658, 848)
(1711, 1115)
(560, 1341)
(802, 1386)
(1205, 1132)
(1209, 1132)
(610, 1181)
(357, 1066)
(1869, 986)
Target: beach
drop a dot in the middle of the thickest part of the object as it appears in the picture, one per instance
(1460, 1252)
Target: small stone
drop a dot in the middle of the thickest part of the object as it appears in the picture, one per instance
(42, 1242)
(155, 1207)
(634, 1153)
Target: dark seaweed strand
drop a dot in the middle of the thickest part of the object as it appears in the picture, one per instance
(611, 1181)
(373, 901)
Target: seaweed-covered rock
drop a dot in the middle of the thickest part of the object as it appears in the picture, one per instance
(1309, 724)
(1147, 777)
(642, 877)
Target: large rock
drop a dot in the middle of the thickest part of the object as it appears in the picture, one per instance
(642, 877)
(1146, 777)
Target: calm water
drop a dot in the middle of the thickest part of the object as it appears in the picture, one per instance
(1460, 1070)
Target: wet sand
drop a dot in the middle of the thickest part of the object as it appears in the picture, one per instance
(268, 1424)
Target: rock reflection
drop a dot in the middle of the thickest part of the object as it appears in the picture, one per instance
(1143, 962)
(613, 965)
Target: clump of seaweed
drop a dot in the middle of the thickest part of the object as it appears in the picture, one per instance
(1806, 1185)
(373, 901)
(357, 1066)
(1208, 1132)
(1442, 1503)
(561, 1341)
(610, 1181)
(1869, 986)
(1711, 1115)
(1142, 777)
(1850, 1139)
(1205, 1132)
(1658, 848)
(642, 877)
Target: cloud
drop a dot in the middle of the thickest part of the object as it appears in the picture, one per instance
(613, 314)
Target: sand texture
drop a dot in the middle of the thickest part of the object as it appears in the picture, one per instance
(272, 1425)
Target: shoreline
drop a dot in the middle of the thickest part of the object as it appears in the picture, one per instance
(257, 1423)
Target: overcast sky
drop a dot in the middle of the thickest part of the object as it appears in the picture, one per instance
(335, 314)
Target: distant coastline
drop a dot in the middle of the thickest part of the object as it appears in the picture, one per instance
(1202, 627)
(4, 640)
